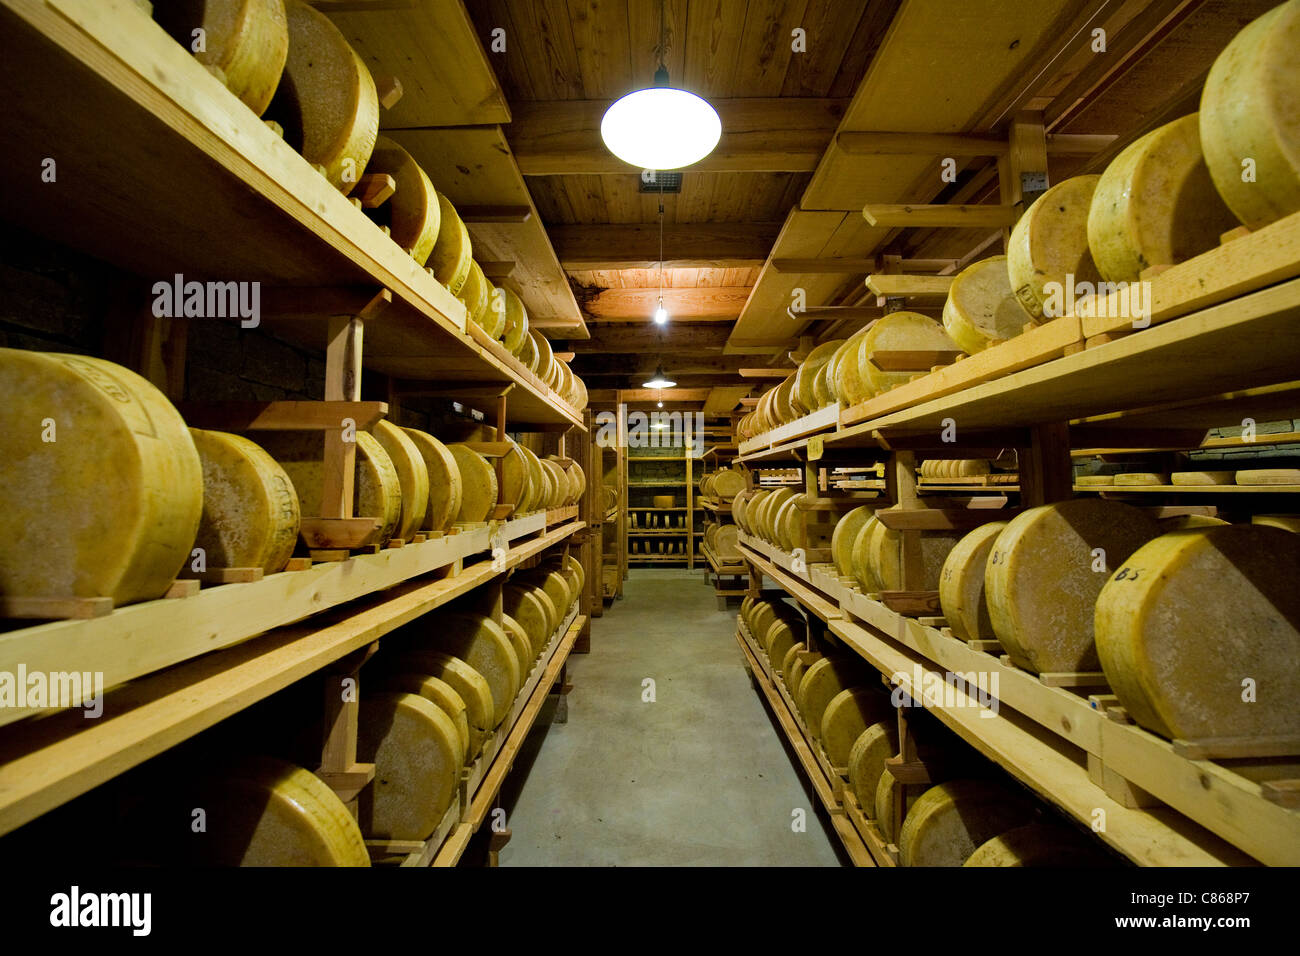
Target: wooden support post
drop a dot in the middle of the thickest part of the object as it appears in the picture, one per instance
(342, 384)
(1022, 172)
(338, 766)
(900, 485)
(1046, 470)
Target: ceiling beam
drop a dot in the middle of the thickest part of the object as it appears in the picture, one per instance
(691, 340)
(593, 366)
(747, 372)
(773, 135)
(710, 303)
(721, 245)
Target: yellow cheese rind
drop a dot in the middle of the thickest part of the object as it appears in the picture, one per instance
(1188, 522)
(471, 686)
(1202, 477)
(1141, 478)
(878, 563)
(847, 717)
(435, 690)
(1285, 522)
(515, 337)
(522, 644)
(787, 665)
(478, 479)
(982, 309)
(1049, 242)
(1269, 476)
(961, 583)
(247, 40)
(445, 488)
(250, 509)
(412, 475)
(412, 213)
(475, 296)
(896, 331)
(452, 251)
(822, 392)
(1043, 577)
(1095, 480)
(533, 608)
(846, 530)
(1199, 633)
(885, 804)
(805, 378)
(948, 822)
(779, 639)
(1038, 845)
(845, 377)
(1249, 107)
(875, 744)
(1155, 204)
(110, 505)
(482, 644)
(819, 686)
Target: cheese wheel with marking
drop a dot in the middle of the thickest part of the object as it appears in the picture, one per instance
(445, 488)
(847, 717)
(981, 309)
(961, 583)
(412, 213)
(452, 251)
(897, 331)
(412, 476)
(416, 750)
(478, 480)
(102, 488)
(879, 564)
(949, 821)
(1189, 617)
(1249, 107)
(875, 743)
(1049, 242)
(436, 691)
(250, 509)
(326, 100)
(1041, 584)
(1155, 204)
(846, 530)
(247, 41)
(1202, 477)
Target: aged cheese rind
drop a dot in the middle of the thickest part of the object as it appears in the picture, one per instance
(247, 40)
(982, 309)
(896, 331)
(434, 689)
(961, 583)
(475, 296)
(445, 488)
(875, 743)
(1202, 477)
(1049, 242)
(412, 475)
(949, 821)
(478, 479)
(806, 377)
(819, 686)
(469, 684)
(482, 644)
(847, 717)
(452, 252)
(412, 213)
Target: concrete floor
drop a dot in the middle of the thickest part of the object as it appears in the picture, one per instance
(701, 776)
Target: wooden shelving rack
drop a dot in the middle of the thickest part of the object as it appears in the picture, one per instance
(684, 488)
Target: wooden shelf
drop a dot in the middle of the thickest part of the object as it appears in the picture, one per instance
(1193, 489)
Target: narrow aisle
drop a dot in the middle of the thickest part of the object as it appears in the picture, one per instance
(699, 776)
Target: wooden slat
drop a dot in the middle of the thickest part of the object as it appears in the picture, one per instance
(929, 287)
(905, 216)
(636, 245)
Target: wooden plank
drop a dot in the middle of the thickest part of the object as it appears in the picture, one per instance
(683, 305)
(861, 143)
(914, 360)
(908, 216)
(723, 399)
(282, 416)
(920, 286)
(54, 608)
(636, 245)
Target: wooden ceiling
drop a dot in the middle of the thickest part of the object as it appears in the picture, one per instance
(783, 187)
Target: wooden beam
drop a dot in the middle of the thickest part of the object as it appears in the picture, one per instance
(930, 287)
(765, 372)
(778, 134)
(715, 303)
(497, 270)
(636, 245)
(516, 214)
(855, 266)
(920, 144)
(905, 216)
(651, 339)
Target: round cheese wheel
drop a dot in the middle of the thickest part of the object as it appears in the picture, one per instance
(556, 587)
(982, 309)
(250, 510)
(861, 567)
(1269, 476)
(530, 356)
(901, 331)
(575, 566)
(746, 603)
(847, 717)
(949, 821)
(436, 691)
(533, 610)
(416, 750)
(1248, 111)
(786, 523)
(785, 410)
(478, 481)
(794, 677)
(412, 213)
(1141, 478)
(842, 538)
(1049, 242)
(819, 685)
(728, 543)
(515, 336)
(412, 476)
(1040, 845)
(764, 613)
(1202, 477)
(771, 509)
(885, 793)
(1044, 574)
(513, 488)
(1188, 522)
(1285, 522)
(879, 564)
(1199, 633)
(545, 357)
(246, 40)
(875, 743)
(822, 386)
(522, 644)
(778, 640)
(805, 379)
(445, 487)
(1155, 204)
(109, 506)
(788, 662)
(474, 295)
(557, 484)
(846, 377)
(537, 479)
(326, 100)
(1099, 480)
(471, 686)
(482, 644)
(961, 583)
(728, 483)
(452, 251)
(753, 510)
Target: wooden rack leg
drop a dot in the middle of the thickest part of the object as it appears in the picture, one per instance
(339, 767)
(1046, 471)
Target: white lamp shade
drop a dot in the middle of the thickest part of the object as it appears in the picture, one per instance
(661, 128)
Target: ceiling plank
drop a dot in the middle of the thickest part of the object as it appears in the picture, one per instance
(636, 245)
(712, 302)
(627, 339)
(723, 399)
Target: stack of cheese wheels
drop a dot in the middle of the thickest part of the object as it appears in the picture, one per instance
(478, 643)
(982, 309)
(412, 213)
(805, 379)
(789, 523)
(847, 717)
(771, 507)
(961, 583)
(522, 644)
(515, 336)
(478, 484)
(727, 483)
(763, 613)
(823, 389)
(452, 251)
(1155, 204)
(949, 821)
(412, 476)
(434, 689)
(271, 813)
(102, 490)
(417, 752)
(245, 42)
(377, 489)
(875, 743)
(1044, 574)
(939, 469)
(326, 101)
(842, 538)
(1049, 243)
(415, 657)
(516, 487)
(1190, 617)
(821, 683)
(753, 503)
(845, 375)
(476, 296)
(533, 608)
(905, 331)
(727, 544)
(444, 480)
(739, 506)
(566, 490)
(1038, 845)
(1248, 112)
(556, 587)
(545, 357)
(250, 510)
(878, 562)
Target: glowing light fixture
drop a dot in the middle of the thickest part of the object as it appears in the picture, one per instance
(661, 314)
(660, 380)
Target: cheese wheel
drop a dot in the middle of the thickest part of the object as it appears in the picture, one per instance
(1098, 480)
(779, 638)
(1202, 477)
(1155, 204)
(250, 510)
(1249, 107)
(471, 686)
(545, 357)
(822, 386)
(452, 251)
(794, 677)
(847, 717)
(753, 509)
(537, 479)
(728, 483)
(530, 356)
(478, 479)
(109, 506)
(534, 612)
(771, 508)
(746, 603)
(805, 378)
(515, 337)
(973, 467)
(727, 544)
(949, 821)
(377, 490)
(847, 375)
(1044, 574)
(556, 587)
(326, 100)
(819, 686)
(575, 566)
(1141, 478)
(786, 524)
(879, 564)
(556, 484)
(961, 583)
(513, 487)
(1188, 522)
(764, 613)
(846, 530)
(416, 750)
(785, 410)
(474, 295)
(1049, 242)
(1191, 617)
(982, 309)
(445, 488)
(412, 213)
(875, 743)
(522, 644)
(482, 644)
(860, 566)
(1285, 522)
(1269, 476)
(885, 805)
(1040, 845)
(896, 331)
(436, 691)
(740, 509)
(412, 476)
(246, 40)
(788, 662)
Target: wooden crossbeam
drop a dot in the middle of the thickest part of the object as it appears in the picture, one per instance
(905, 216)
(929, 287)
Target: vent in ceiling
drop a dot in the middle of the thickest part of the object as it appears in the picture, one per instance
(656, 181)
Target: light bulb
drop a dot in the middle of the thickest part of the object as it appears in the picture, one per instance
(661, 404)
(661, 128)
(661, 314)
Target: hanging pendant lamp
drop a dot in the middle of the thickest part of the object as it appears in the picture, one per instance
(660, 380)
